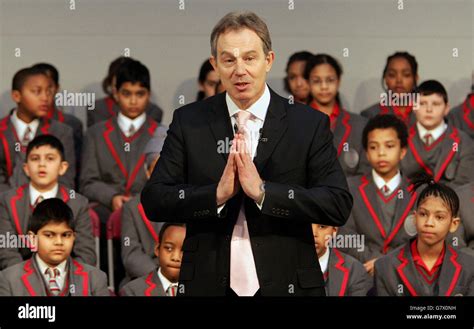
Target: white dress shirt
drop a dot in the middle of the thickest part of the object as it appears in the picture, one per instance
(254, 124)
(34, 193)
(324, 260)
(435, 133)
(20, 126)
(165, 282)
(62, 271)
(392, 184)
(125, 123)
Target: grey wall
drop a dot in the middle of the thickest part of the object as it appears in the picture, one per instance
(173, 42)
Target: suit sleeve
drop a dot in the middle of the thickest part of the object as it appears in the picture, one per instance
(361, 281)
(5, 289)
(99, 285)
(135, 260)
(8, 256)
(380, 284)
(166, 195)
(67, 139)
(84, 245)
(92, 185)
(326, 199)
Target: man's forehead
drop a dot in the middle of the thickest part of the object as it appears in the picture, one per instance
(242, 41)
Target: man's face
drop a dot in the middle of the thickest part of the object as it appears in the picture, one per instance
(36, 95)
(54, 242)
(242, 65)
(132, 99)
(170, 252)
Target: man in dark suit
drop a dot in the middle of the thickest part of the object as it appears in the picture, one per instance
(248, 222)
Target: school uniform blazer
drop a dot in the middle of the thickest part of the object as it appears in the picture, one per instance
(148, 285)
(347, 276)
(106, 172)
(348, 142)
(139, 237)
(15, 213)
(25, 279)
(366, 218)
(106, 108)
(12, 159)
(397, 269)
(465, 231)
(455, 160)
(304, 184)
(376, 109)
(74, 123)
(462, 116)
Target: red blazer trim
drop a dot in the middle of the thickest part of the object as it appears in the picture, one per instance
(345, 270)
(147, 222)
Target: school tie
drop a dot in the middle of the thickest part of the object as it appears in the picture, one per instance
(26, 136)
(53, 285)
(131, 131)
(172, 289)
(38, 200)
(243, 274)
(428, 139)
(385, 190)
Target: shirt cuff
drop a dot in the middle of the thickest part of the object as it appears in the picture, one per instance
(219, 209)
(260, 205)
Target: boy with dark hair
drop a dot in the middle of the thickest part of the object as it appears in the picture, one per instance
(51, 271)
(33, 92)
(44, 165)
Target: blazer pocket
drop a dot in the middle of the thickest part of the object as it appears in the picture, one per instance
(309, 278)
(186, 272)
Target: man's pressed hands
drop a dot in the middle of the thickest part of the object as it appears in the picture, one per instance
(240, 171)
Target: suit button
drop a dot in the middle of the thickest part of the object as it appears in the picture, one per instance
(227, 237)
(224, 280)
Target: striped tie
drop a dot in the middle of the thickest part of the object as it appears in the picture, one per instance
(172, 290)
(53, 273)
(26, 136)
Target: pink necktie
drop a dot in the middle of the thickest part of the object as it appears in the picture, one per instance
(243, 274)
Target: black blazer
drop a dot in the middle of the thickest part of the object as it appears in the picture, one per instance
(304, 184)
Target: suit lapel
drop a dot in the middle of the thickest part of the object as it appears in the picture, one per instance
(407, 272)
(20, 209)
(32, 280)
(153, 286)
(447, 151)
(338, 274)
(450, 271)
(273, 129)
(369, 196)
(78, 278)
(220, 123)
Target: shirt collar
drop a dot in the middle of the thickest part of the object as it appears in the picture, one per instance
(258, 109)
(164, 281)
(43, 266)
(125, 122)
(392, 184)
(20, 125)
(324, 260)
(419, 261)
(435, 133)
(34, 193)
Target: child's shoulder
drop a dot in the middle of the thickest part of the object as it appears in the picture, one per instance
(349, 261)
(83, 267)
(12, 272)
(97, 128)
(371, 111)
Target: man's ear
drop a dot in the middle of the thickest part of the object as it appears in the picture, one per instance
(269, 59)
(63, 167)
(454, 224)
(16, 96)
(26, 169)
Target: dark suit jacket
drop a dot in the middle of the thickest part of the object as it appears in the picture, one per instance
(304, 184)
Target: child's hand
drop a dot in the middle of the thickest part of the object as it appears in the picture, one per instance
(369, 266)
(118, 201)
